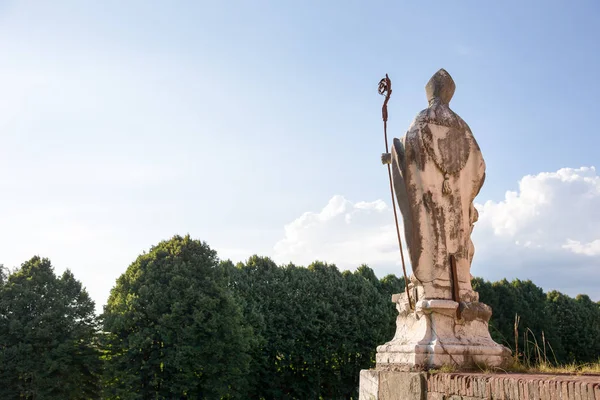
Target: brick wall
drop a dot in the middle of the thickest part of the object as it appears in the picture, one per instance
(472, 386)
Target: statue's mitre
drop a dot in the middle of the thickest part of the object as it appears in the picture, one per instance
(440, 86)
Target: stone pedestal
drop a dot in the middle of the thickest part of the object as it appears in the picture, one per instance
(389, 385)
(438, 333)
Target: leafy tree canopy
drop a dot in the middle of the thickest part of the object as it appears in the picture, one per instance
(47, 335)
(174, 328)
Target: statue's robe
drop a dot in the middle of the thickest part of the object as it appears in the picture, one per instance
(438, 220)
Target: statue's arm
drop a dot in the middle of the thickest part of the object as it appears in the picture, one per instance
(473, 214)
(386, 158)
(398, 154)
(399, 179)
(480, 170)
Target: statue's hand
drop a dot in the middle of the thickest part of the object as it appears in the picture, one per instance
(473, 214)
(386, 158)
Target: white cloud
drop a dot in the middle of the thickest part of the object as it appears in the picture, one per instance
(234, 254)
(547, 231)
(344, 233)
(546, 204)
(589, 249)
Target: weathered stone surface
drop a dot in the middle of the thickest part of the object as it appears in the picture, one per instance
(369, 385)
(435, 396)
(409, 386)
(438, 169)
(389, 385)
(512, 386)
(432, 336)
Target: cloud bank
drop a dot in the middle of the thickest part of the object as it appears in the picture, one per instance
(547, 231)
(343, 232)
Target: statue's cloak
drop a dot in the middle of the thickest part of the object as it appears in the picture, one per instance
(438, 169)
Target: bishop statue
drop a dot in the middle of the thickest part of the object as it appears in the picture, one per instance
(437, 170)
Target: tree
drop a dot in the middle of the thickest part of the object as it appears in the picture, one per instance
(590, 317)
(260, 289)
(289, 317)
(48, 335)
(391, 284)
(537, 328)
(578, 324)
(369, 321)
(174, 328)
(315, 327)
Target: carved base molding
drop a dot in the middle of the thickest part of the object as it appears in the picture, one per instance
(439, 333)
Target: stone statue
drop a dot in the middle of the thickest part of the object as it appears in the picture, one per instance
(438, 170)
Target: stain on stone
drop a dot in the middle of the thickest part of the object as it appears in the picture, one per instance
(437, 147)
(471, 311)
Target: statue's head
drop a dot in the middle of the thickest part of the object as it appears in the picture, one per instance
(440, 86)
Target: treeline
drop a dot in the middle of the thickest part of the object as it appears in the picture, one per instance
(180, 324)
(551, 327)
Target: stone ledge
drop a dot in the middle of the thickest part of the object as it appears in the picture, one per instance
(391, 385)
(466, 386)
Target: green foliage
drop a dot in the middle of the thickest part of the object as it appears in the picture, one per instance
(173, 327)
(179, 324)
(563, 328)
(391, 284)
(521, 298)
(48, 346)
(578, 323)
(315, 327)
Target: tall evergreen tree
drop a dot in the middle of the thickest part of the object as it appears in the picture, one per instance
(590, 343)
(174, 328)
(578, 324)
(48, 332)
(261, 291)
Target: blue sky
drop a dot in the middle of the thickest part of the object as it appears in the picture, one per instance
(123, 123)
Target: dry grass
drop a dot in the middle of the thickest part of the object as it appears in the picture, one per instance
(444, 369)
(547, 368)
(536, 358)
(576, 369)
(518, 366)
